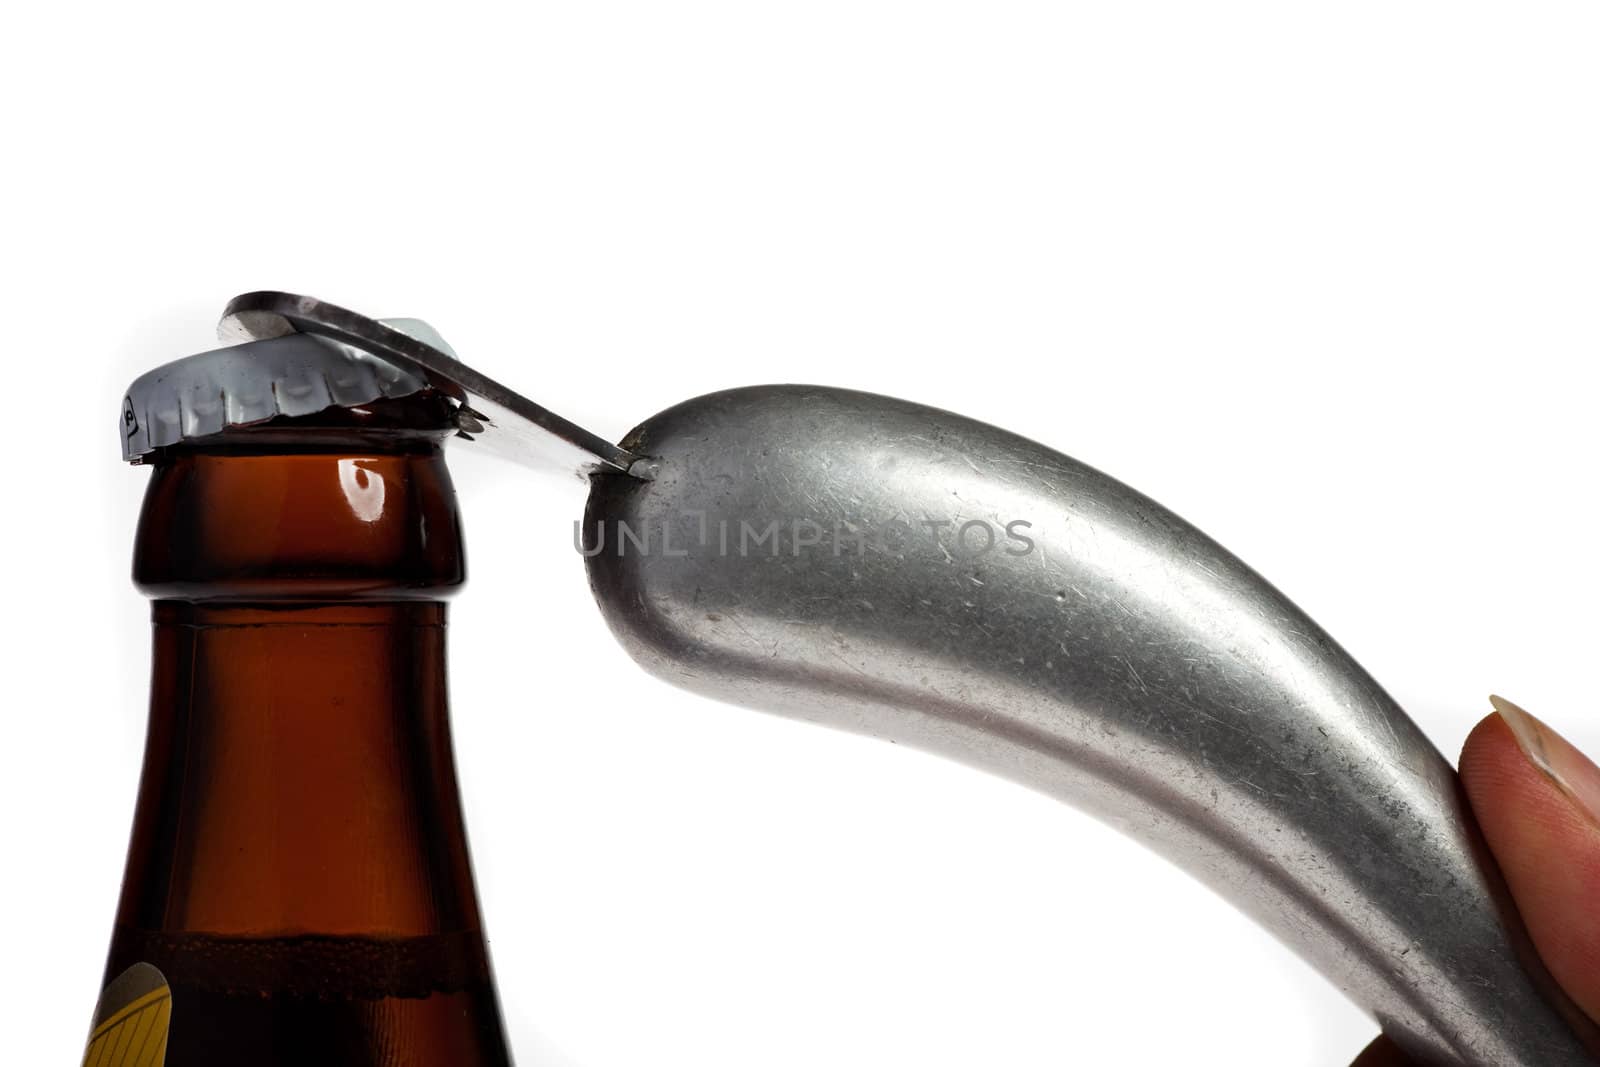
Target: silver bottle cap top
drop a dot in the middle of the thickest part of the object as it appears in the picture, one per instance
(295, 374)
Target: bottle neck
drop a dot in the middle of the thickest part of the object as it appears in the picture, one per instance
(298, 774)
(298, 871)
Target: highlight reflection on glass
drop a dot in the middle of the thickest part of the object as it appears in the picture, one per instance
(363, 489)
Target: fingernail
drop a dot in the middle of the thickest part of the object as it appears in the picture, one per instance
(1571, 771)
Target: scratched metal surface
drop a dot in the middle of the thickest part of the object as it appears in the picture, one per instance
(1124, 663)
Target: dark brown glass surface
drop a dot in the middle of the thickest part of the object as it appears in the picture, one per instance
(298, 868)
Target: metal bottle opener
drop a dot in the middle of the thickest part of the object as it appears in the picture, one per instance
(1125, 663)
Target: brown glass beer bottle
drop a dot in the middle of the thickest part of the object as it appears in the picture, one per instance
(298, 890)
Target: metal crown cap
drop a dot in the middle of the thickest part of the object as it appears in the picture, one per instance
(295, 374)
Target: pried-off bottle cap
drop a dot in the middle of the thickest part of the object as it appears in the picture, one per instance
(295, 374)
(305, 355)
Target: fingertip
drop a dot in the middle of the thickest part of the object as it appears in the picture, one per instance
(1528, 792)
(1491, 760)
(1490, 733)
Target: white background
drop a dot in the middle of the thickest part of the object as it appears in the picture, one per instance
(1322, 278)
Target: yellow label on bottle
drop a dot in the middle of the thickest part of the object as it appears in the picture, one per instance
(130, 1022)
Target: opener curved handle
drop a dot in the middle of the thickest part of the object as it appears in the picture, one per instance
(910, 574)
